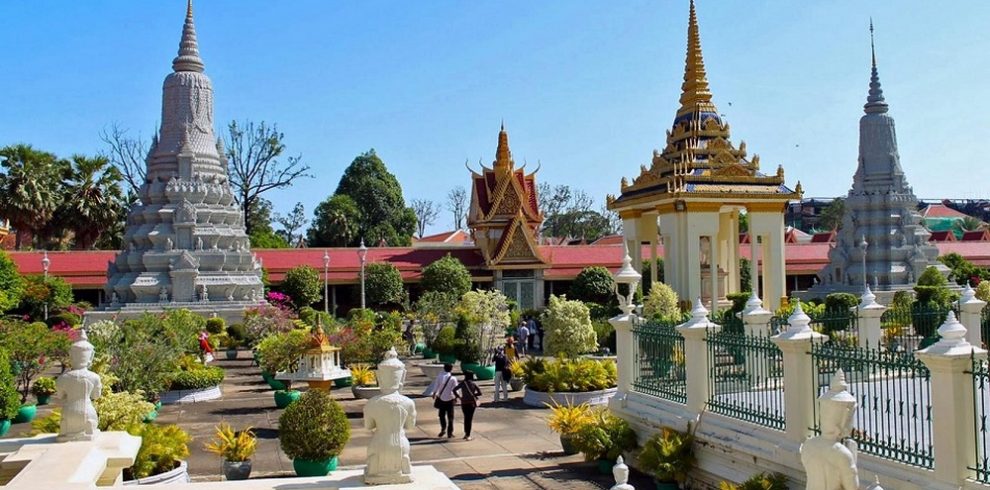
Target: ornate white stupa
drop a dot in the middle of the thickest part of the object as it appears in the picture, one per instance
(185, 244)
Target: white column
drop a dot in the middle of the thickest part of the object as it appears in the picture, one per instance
(953, 423)
(970, 314)
(625, 351)
(869, 312)
(693, 270)
(672, 271)
(773, 267)
(754, 264)
(713, 266)
(798, 367)
(697, 370)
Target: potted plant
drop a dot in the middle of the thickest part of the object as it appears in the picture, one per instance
(161, 458)
(604, 438)
(10, 401)
(236, 449)
(280, 353)
(566, 420)
(759, 481)
(446, 345)
(483, 317)
(230, 346)
(365, 383)
(516, 382)
(312, 432)
(43, 389)
(562, 380)
(669, 456)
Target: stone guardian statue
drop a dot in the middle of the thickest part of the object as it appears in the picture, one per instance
(621, 473)
(389, 416)
(829, 459)
(76, 391)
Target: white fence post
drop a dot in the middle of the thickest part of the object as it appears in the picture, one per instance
(870, 312)
(698, 372)
(971, 316)
(756, 318)
(800, 380)
(625, 352)
(953, 422)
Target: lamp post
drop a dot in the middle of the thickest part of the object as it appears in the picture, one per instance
(862, 246)
(45, 263)
(362, 254)
(326, 280)
(626, 275)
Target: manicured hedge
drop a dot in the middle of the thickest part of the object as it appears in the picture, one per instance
(196, 379)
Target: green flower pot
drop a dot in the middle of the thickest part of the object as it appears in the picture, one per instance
(231, 354)
(666, 485)
(428, 353)
(314, 468)
(448, 358)
(152, 415)
(43, 399)
(469, 367)
(284, 397)
(273, 383)
(342, 382)
(484, 373)
(25, 414)
(158, 405)
(605, 466)
(4, 427)
(419, 348)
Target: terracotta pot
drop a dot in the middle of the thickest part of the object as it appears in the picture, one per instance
(236, 470)
(314, 468)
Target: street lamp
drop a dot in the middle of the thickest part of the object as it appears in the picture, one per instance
(626, 275)
(362, 254)
(326, 279)
(862, 246)
(45, 263)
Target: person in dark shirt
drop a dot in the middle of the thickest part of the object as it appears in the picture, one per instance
(501, 380)
(468, 393)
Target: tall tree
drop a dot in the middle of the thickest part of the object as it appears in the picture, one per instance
(457, 205)
(259, 221)
(255, 168)
(378, 195)
(569, 212)
(30, 189)
(336, 223)
(93, 200)
(831, 216)
(127, 154)
(426, 214)
(291, 223)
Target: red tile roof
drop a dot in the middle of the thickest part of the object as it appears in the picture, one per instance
(976, 236)
(941, 211)
(452, 237)
(942, 236)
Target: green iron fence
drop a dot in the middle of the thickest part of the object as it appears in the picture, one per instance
(894, 416)
(746, 378)
(660, 361)
(985, 325)
(907, 329)
(981, 400)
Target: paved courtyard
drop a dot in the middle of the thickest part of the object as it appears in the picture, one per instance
(512, 447)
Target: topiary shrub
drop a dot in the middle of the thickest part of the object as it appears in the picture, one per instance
(567, 328)
(280, 352)
(933, 288)
(10, 400)
(216, 325)
(303, 284)
(237, 332)
(662, 303)
(569, 375)
(593, 284)
(383, 285)
(446, 341)
(314, 428)
(447, 276)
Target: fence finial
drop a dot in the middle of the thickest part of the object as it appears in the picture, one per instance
(799, 321)
(868, 298)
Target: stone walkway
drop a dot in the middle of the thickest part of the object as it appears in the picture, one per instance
(512, 447)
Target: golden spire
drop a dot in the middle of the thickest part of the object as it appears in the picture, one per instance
(695, 95)
(503, 157)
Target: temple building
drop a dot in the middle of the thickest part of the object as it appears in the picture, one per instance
(184, 244)
(504, 220)
(881, 209)
(691, 196)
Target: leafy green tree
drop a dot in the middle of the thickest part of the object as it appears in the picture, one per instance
(302, 284)
(647, 282)
(336, 223)
(745, 274)
(10, 401)
(93, 200)
(383, 285)
(831, 216)
(448, 276)
(11, 283)
(963, 271)
(30, 346)
(291, 223)
(933, 288)
(378, 195)
(593, 284)
(39, 291)
(568, 328)
(259, 221)
(30, 189)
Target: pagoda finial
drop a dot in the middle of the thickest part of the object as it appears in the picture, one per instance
(503, 157)
(188, 58)
(875, 103)
(695, 95)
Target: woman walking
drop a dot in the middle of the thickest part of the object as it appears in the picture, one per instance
(442, 391)
(468, 393)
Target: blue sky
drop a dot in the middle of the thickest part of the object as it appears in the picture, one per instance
(585, 88)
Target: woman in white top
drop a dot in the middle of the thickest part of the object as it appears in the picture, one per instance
(442, 391)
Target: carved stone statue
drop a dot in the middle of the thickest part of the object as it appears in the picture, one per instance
(204, 295)
(199, 243)
(168, 243)
(621, 473)
(829, 459)
(76, 391)
(389, 415)
(163, 295)
(114, 299)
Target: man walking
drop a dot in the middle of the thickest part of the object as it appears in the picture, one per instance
(501, 380)
(442, 391)
(523, 334)
(531, 326)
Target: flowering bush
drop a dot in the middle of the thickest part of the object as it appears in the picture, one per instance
(568, 329)
(265, 320)
(435, 310)
(487, 312)
(279, 300)
(661, 303)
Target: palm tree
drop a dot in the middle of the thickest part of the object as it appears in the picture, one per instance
(969, 223)
(30, 189)
(93, 199)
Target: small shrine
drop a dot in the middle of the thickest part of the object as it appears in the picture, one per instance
(691, 195)
(504, 219)
(319, 365)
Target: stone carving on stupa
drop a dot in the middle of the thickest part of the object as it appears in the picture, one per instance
(881, 210)
(186, 243)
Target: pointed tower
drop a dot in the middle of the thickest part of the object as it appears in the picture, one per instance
(695, 189)
(881, 209)
(504, 219)
(184, 245)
